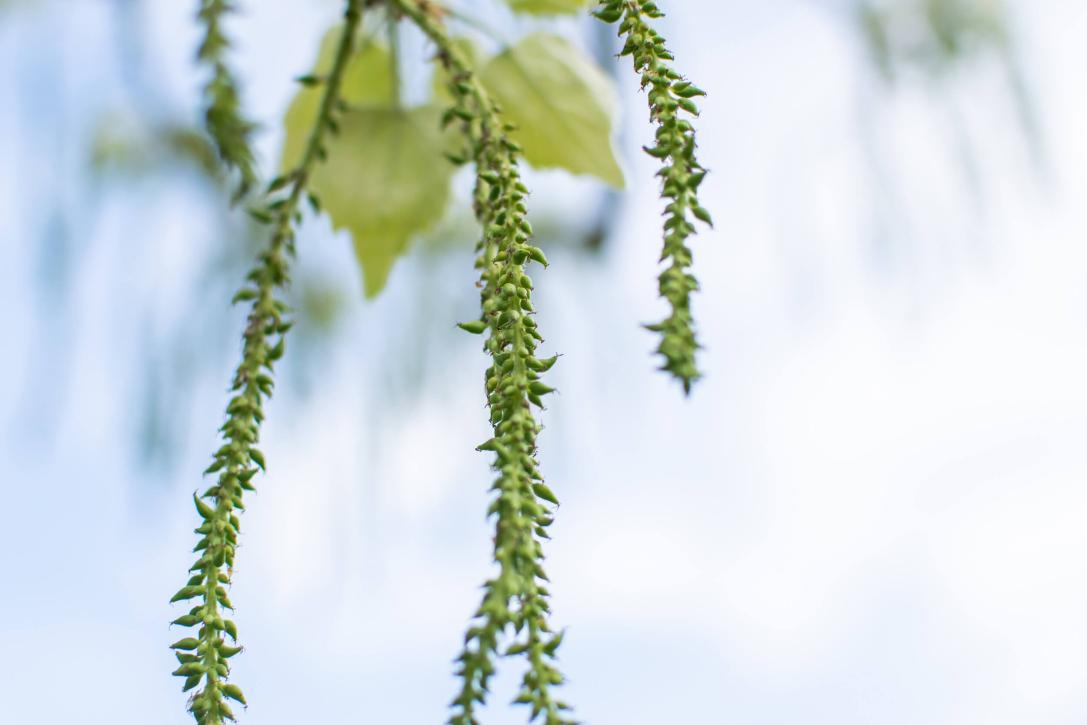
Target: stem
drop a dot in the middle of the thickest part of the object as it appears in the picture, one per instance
(238, 458)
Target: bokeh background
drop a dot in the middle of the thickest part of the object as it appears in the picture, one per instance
(871, 511)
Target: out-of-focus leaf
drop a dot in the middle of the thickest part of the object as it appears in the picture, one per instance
(549, 7)
(133, 145)
(367, 80)
(959, 26)
(874, 26)
(386, 180)
(322, 304)
(933, 36)
(563, 104)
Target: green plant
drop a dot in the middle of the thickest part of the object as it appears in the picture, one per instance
(670, 97)
(229, 130)
(377, 169)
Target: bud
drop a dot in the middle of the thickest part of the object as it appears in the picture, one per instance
(189, 643)
(476, 327)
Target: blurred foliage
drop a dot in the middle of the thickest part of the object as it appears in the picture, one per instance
(151, 134)
(130, 146)
(143, 139)
(936, 45)
(934, 36)
(386, 181)
(368, 80)
(549, 7)
(562, 104)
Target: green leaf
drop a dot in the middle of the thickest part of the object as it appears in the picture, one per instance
(549, 7)
(386, 180)
(563, 104)
(367, 80)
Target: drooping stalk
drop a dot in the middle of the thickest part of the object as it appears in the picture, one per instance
(669, 96)
(229, 129)
(204, 658)
(516, 598)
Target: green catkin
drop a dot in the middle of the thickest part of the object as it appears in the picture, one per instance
(670, 97)
(229, 130)
(516, 598)
(204, 658)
